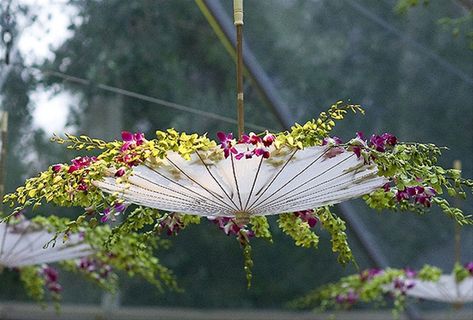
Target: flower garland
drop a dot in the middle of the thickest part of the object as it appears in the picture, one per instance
(111, 254)
(416, 182)
(374, 285)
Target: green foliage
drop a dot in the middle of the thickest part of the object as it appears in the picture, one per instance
(248, 263)
(411, 165)
(368, 287)
(260, 226)
(298, 230)
(336, 227)
(131, 252)
(403, 6)
(314, 131)
(33, 282)
(457, 26)
(430, 273)
(460, 272)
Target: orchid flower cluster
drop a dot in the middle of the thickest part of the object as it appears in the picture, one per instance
(51, 276)
(374, 286)
(259, 145)
(416, 182)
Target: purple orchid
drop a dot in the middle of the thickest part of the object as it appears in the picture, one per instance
(402, 285)
(50, 274)
(230, 227)
(370, 274)
(358, 143)
(81, 163)
(268, 139)
(82, 186)
(350, 298)
(389, 139)
(307, 216)
(418, 194)
(100, 269)
(410, 273)
(332, 141)
(378, 143)
(120, 172)
(172, 224)
(381, 142)
(131, 140)
(227, 143)
(261, 152)
(56, 168)
(251, 138)
(111, 212)
(469, 267)
(51, 277)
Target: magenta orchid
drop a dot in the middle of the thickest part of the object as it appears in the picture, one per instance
(268, 139)
(120, 172)
(381, 142)
(79, 163)
(227, 143)
(402, 285)
(131, 140)
(99, 269)
(251, 138)
(51, 277)
(110, 213)
(307, 216)
(334, 142)
(348, 299)
(417, 194)
(230, 227)
(172, 224)
(469, 267)
(369, 274)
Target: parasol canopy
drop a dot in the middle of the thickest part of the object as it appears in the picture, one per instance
(287, 181)
(446, 289)
(22, 244)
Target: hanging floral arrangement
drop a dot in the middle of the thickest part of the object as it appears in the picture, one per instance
(176, 178)
(378, 286)
(30, 247)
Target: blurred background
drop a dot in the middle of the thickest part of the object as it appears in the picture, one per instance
(100, 67)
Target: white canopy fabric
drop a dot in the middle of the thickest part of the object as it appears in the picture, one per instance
(290, 180)
(446, 289)
(22, 244)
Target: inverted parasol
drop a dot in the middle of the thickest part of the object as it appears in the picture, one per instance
(446, 290)
(288, 181)
(23, 244)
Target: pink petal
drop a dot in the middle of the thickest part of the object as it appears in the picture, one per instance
(127, 136)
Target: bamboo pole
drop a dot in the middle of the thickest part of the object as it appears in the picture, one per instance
(238, 21)
(3, 154)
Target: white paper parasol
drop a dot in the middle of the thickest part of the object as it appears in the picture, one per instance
(22, 244)
(287, 181)
(446, 289)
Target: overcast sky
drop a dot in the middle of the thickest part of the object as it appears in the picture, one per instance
(35, 43)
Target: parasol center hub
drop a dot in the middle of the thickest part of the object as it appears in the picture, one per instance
(242, 218)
